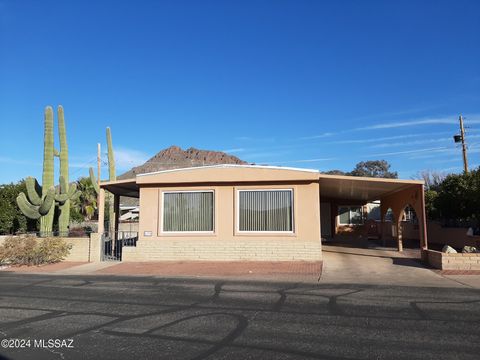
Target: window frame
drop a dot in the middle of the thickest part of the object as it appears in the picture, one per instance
(162, 212)
(246, 232)
(349, 215)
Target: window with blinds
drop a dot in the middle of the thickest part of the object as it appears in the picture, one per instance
(190, 211)
(350, 215)
(265, 210)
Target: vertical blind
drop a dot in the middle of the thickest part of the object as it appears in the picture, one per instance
(269, 210)
(188, 211)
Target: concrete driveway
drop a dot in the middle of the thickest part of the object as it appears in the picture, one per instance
(384, 267)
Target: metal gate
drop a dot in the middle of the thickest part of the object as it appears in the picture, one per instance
(113, 243)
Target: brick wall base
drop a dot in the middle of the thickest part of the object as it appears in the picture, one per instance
(459, 261)
(219, 250)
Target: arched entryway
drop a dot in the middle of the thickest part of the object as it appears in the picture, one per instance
(408, 228)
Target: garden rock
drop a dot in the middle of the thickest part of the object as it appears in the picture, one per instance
(469, 249)
(449, 250)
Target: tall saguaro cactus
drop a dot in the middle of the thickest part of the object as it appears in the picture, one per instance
(112, 177)
(65, 195)
(41, 200)
(46, 221)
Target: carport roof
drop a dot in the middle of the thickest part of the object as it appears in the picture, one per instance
(127, 187)
(361, 188)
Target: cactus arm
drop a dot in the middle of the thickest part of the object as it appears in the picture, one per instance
(63, 185)
(47, 202)
(94, 181)
(29, 210)
(32, 188)
(72, 190)
(75, 196)
(61, 198)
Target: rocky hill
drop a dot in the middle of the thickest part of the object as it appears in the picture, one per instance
(175, 157)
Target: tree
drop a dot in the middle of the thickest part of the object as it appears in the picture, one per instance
(459, 197)
(87, 201)
(335, 172)
(11, 218)
(374, 168)
(433, 179)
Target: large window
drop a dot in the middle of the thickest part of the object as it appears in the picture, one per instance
(188, 211)
(265, 210)
(350, 215)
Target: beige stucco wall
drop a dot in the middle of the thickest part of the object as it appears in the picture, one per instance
(80, 249)
(226, 243)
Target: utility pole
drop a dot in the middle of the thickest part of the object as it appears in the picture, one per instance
(99, 163)
(461, 138)
(464, 146)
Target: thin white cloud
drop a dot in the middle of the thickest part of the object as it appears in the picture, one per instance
(395, 113)
(9, 160)
(407, 152)
(418, 142)
(254, 139)
(320, 136)
(128, 158)
(237, 150)
(447, 120)
(302, 161)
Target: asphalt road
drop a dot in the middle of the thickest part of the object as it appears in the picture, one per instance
(147, 318)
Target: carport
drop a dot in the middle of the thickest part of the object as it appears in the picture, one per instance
(394, 195)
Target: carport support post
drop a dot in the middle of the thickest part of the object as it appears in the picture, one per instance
(423, 222)
(101, 211)
(399, 233)
(116, 209)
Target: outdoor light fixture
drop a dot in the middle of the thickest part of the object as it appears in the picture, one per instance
(457, 138)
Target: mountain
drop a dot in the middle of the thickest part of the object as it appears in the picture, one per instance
(175, 157)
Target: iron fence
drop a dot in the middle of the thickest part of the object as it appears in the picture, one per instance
(114, 242)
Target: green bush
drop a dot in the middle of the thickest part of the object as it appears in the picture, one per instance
(33, 251)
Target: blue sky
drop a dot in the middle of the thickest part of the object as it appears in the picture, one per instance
(316, 84)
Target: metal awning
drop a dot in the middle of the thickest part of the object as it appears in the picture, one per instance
(127, 187)
(361, 188)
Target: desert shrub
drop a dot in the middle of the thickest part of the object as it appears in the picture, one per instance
(33, 251)
(52, 250)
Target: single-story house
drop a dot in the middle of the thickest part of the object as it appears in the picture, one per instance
(261, 213)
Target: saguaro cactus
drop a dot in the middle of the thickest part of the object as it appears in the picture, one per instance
(40, 203)
(67, 192)
(36, 205)
(46, 221)
(112, 176)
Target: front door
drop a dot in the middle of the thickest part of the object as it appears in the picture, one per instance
(325, 220)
